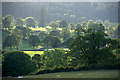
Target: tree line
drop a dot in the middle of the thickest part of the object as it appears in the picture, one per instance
(59, 36)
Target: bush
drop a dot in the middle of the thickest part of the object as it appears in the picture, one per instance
(17, 63)
(54, 58)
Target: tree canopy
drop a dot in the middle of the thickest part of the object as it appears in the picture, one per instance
(10, 41)
(19, 22)
(7, 22)
(18, 36)
(92, 47)
(52, 41)
(30, 22)
(34, 41)
(16, 63)
(62, 24)
(65, 33)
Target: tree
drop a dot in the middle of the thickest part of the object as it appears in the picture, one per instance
(52, 41)
(7, 22)
(65, 33)
(117, 31)
(30, 22)
(110, 30)
(67, 42)
(54, 59)
(54, 33)
(16, 63)
(90, 24)
(42, 35)
(91, 48)
(10, 17)
(18, 35)
(10, 41)
(53, 25)
(99, 21)
(62, 24)
(107, 23)
(47, 41)
(78, 25)
(34, 41)
(84, 24)
(71, 26)
(26, 32)
(4, 34)
(19, 22)
(55, 42)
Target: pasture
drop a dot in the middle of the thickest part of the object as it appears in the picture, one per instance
(32, 53)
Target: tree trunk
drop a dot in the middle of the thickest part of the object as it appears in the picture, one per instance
(17, 47)
(47, 47)
(10, 48)
(33, 47)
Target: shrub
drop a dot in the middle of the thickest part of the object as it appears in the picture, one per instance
(54, 58)
(17, 63)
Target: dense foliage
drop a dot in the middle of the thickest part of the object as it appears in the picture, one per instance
(34, 41)
(10, 41)
(37, 57)
(17, 63)
(53, 59)
(91, 47)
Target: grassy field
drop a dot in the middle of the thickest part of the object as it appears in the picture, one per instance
(79, 74)
(32, 53)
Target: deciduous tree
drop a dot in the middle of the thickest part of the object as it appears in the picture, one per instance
(30, 22)
(18, 36)
(65, 33)
(34, 41)
(62, 24)
(91, 47)
(19, 22)
(10, 41)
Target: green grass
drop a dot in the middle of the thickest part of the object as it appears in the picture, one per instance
(38, 29)
(79, 74)
(32, 53)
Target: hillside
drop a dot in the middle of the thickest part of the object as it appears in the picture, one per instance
(63, 10)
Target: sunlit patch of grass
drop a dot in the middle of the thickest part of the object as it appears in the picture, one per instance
(38, 29)
(59, 29)
(49, 27)
(32, 53)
